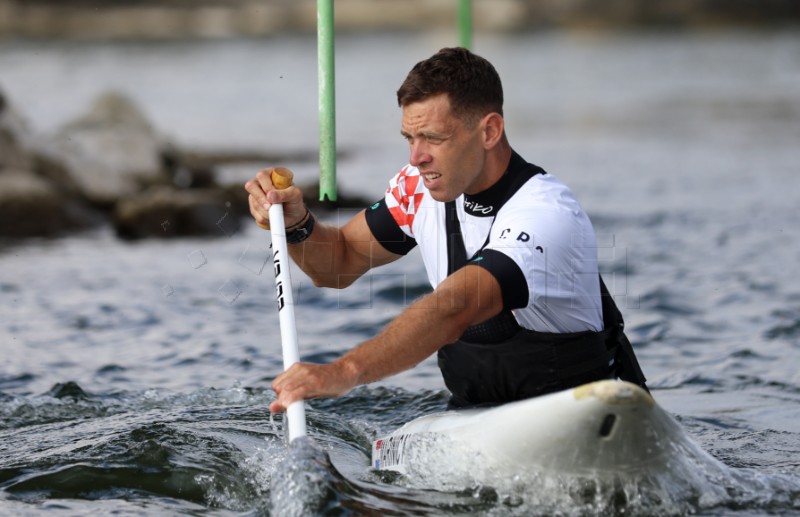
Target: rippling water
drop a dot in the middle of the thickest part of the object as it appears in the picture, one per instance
(134, 376)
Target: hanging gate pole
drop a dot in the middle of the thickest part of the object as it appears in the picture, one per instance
(327, 100)
(465, 23)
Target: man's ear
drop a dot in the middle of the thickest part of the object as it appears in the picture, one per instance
(493, 126)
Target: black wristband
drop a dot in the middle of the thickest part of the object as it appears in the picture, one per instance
(302, 232)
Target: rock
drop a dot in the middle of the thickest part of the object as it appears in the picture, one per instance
(14, 137)
(110, 153)
(11, 155)
(31, 206)
(112, 159)
(68, 390)
(18, 150)
(164, 211)
(57, 173)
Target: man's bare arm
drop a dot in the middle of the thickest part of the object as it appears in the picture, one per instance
(337, 257)
(468, 296)
(331, 256)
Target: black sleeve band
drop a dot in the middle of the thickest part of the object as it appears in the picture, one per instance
(508, 274)
(386, 231)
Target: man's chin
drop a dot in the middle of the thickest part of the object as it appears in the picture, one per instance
(443, 197)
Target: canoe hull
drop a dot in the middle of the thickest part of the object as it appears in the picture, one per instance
(605, 426)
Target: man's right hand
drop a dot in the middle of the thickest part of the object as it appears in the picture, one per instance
(263, 195)
(307, 381)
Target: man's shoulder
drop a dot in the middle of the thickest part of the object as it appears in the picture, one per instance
(541, 191)
(406, 188)
(547, 207)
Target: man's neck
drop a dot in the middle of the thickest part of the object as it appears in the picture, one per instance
(497, 160)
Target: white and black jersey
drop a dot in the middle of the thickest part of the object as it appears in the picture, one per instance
(538, 243)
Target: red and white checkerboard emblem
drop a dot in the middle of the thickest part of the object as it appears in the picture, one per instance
(407, 192)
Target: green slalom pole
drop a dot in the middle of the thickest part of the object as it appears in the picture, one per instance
(327, 101)
(465, 23)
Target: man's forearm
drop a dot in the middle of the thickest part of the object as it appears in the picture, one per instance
(337, 257)
(318, 255)
(468, 297)
(408, 340)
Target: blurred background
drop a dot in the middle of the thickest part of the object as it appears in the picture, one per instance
(135, 112)
(138, 330)
(180, 19)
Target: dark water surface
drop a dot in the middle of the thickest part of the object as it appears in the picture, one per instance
(134, 376)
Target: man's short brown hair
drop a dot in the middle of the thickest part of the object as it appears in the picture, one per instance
(470, 81)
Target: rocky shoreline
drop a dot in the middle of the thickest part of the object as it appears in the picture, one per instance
(182, 19)
(110, 166)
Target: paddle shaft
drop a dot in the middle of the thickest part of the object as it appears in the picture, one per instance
(296, 412)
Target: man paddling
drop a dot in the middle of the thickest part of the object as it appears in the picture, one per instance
(517, 308)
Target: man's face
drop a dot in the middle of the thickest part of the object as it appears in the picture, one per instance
(449, 154)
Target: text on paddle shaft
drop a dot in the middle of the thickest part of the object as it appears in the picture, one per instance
(279, 283)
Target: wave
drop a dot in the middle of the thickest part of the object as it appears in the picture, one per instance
(219, 451)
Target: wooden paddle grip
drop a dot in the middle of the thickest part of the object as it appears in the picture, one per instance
(281, 177)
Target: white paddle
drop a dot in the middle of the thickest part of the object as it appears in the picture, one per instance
(296, 412)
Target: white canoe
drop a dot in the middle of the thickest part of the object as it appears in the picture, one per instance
(602, 427)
